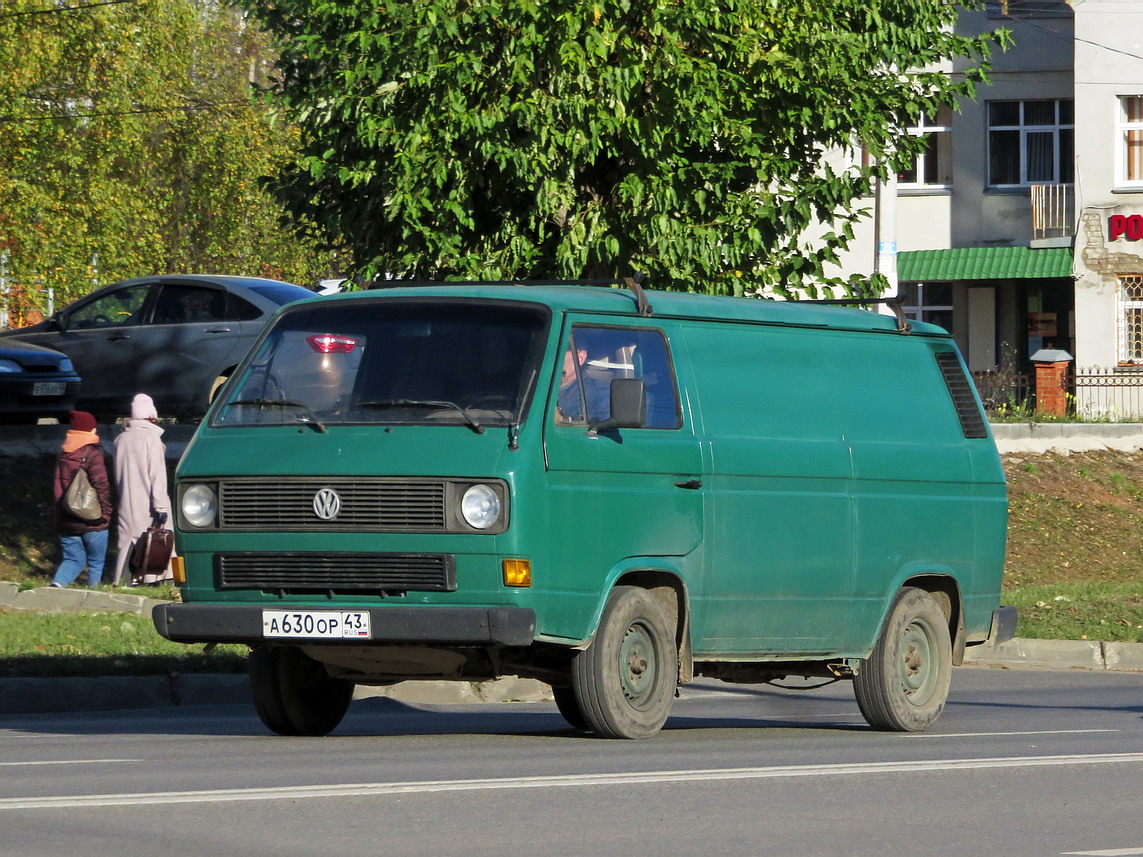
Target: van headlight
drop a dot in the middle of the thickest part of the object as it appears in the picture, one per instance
(199, 506)
(480, 507)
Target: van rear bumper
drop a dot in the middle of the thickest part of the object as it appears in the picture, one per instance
(242, 623)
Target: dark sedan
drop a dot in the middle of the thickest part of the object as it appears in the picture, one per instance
(35, 382)
(174, 337)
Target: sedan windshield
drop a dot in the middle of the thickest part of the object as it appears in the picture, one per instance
(392, 362)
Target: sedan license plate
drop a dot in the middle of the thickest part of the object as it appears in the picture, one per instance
(316, 624)
(48, 388)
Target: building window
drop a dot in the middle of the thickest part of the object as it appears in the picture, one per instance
(931, 302)
(933, 166)
(1031, 142)
(1131, 133)
(1131, 320)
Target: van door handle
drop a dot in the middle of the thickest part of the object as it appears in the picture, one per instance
(690, 483)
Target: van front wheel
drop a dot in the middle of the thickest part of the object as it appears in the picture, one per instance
(624, 682)
(904, 683)
(293, 693)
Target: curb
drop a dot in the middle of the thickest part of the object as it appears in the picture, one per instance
(22, 441)
(53, 599)
(1059, 654)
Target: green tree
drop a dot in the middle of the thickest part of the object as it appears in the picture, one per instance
(516, 138)
(129, 138)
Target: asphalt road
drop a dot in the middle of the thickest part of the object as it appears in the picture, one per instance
(1023, 762)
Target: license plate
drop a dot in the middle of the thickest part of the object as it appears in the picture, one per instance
(316, 624)
(48, 388)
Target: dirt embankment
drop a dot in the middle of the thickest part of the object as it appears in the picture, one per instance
(1075, 518)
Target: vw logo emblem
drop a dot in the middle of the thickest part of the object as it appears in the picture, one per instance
(327, 504)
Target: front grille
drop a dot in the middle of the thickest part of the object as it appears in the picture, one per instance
(338, 572)
(367, 505)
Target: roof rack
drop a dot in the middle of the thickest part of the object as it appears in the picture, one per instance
(633, 283)
(894, 303)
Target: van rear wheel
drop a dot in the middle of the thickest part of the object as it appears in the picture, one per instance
(624, 682)
(293, 693)
(904, 683)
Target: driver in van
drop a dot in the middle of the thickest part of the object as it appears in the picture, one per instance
(580, 381)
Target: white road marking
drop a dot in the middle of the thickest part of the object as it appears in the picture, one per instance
(566, 781)
(66, 762)
(1111, 852)
(993, 734)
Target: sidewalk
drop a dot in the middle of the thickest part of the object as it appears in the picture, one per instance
(34, 695)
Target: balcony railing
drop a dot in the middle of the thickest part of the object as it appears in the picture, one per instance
(1052, 207)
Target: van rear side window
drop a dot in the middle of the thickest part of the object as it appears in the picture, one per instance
(960, 388)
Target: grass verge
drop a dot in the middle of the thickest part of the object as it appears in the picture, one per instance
(1108, 612)
(89, 644)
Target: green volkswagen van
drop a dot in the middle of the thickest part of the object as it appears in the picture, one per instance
(610, 490)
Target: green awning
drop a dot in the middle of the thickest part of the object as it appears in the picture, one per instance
(983, 263)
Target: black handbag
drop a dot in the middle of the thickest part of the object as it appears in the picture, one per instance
(80, 500)
(152, 550)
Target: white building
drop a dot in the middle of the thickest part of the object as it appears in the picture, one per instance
(1021, 227)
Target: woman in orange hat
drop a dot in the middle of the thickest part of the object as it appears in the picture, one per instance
(83, 542)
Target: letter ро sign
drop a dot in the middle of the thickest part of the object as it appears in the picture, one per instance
(1125, 226)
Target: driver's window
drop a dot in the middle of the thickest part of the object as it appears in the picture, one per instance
(121, 307)
(595, 356)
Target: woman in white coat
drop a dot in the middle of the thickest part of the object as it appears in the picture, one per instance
(141, 481)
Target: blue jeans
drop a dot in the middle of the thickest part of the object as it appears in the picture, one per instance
(89, 549)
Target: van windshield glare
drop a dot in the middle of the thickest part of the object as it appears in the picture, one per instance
(392, 362)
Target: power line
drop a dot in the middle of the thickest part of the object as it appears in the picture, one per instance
(66, 8)
(48, 117)
(1056, 34)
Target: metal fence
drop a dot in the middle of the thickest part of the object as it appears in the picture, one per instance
(1114, 394)
(1004, 391)
(1107, 393)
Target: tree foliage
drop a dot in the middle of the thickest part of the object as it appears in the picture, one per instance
(683, 138)
(129, 139)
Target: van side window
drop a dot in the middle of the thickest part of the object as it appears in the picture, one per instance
(595, 356)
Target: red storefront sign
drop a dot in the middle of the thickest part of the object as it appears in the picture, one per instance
(1125, 226)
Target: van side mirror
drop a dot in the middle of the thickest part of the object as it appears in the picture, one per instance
(628, 405)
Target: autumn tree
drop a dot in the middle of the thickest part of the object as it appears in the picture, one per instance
(130, 144)
(686, 139)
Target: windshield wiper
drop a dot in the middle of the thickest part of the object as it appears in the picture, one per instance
(307, 416)
(426, 403)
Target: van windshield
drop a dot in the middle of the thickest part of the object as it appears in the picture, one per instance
(392, 362)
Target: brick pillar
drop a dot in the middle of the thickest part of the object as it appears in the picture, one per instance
(1052, 381)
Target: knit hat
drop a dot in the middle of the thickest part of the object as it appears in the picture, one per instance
(143, 408)
(82, 421)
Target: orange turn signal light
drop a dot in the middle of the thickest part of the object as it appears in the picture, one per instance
(517, 572)
(179, 570)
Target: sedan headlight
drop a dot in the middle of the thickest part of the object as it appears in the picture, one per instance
(199, 506)
(480, 507)
(10, 366)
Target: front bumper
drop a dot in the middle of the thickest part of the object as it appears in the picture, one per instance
(454, 626)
